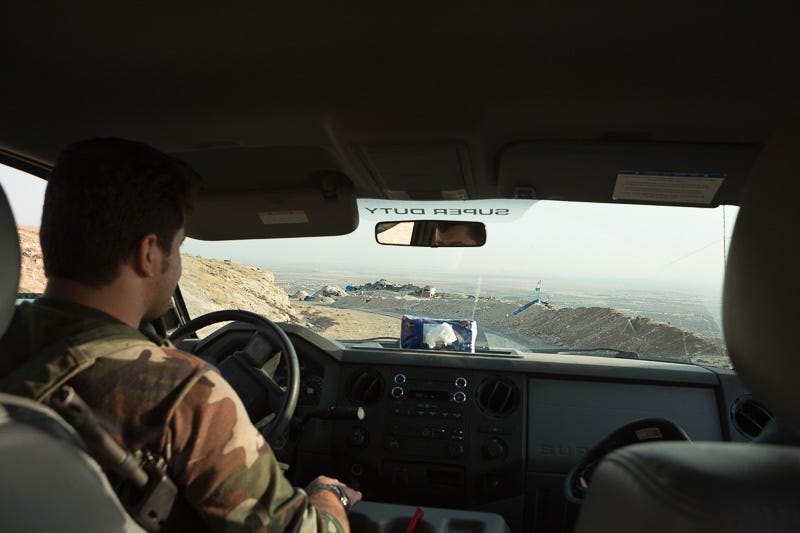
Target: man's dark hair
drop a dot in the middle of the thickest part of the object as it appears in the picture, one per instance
(475, 230)
(103, 196)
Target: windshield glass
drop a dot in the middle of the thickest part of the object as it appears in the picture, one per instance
(608, 280)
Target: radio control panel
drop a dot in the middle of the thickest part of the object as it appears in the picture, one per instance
(442, 435)
(426, 415)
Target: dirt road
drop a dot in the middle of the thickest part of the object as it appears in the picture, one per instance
(341, 324)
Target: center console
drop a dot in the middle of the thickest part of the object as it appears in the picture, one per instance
(374, 517)
(438, 437)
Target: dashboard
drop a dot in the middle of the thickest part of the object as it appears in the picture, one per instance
(490, 433)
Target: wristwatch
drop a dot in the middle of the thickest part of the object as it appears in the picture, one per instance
(336, 489)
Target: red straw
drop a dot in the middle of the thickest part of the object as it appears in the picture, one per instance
(414, 520)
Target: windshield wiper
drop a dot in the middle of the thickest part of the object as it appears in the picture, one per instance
(383, 342)
(372, 339)
(622, 354)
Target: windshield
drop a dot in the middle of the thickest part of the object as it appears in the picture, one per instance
(608, 280)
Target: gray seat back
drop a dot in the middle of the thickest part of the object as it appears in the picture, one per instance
(48, 483)
(725, 486)
(761, 305)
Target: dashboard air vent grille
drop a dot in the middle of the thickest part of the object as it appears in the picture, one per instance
(749, 417)
(365, 387)
(498, 396)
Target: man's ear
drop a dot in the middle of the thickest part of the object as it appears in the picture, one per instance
(146, 256)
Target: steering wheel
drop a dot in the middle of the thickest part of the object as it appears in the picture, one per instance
(244, 368)
(647, 430)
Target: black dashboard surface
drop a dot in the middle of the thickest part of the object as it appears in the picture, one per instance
(492, 433)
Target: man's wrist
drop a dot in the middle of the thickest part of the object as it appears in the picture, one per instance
(336, 490)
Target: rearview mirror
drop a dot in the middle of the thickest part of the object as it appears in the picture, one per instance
(431, 233)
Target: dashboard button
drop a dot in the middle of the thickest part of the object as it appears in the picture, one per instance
(455, 450)
(358, 437)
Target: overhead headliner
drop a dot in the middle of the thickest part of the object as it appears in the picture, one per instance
(355, 81)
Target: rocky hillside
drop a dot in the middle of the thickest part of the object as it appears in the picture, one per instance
(32, 274)
(578, 327)
(207, 284)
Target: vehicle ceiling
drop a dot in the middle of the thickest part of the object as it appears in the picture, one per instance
(422, 99)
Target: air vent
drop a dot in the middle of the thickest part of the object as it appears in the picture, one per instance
(749, 417)
(498, 396)
(365, 387)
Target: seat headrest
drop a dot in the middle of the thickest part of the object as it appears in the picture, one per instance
(761, 297)
(9, 264)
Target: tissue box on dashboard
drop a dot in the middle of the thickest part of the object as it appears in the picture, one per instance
(438, 334)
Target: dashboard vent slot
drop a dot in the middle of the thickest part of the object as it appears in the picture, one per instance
(749, 417)
(498, 396)
(365, 387)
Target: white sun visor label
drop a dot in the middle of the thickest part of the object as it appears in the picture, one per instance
(295, 216)
(671, 187)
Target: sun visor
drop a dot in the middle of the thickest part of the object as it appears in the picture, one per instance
(310, 212)
(646, 173)
(260, 192)
(407, 172)
(246, 168)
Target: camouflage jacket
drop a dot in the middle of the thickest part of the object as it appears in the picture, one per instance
(151, 396)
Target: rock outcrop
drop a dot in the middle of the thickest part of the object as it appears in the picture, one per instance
(209, 284)
(330, 291)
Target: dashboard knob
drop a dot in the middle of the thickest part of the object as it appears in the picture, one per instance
(495, 449)
(398, 393)
(358, 437)
(455, 450)
(461, 383)
(459, 397)
(399, 378)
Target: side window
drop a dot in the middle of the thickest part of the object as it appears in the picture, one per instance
(25, 193)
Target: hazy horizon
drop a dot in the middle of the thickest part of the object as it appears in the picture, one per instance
(640, 246)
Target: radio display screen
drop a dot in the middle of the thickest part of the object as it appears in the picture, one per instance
(435, 395)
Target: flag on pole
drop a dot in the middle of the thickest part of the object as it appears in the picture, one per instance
(536, 301)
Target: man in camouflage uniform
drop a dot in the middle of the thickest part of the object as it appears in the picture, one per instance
(111, 229)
